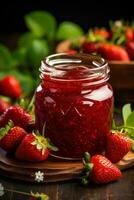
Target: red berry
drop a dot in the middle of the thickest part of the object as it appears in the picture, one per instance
(89, 47)
(130, 49)
(3, 105)
(113, 52)
(129, 33)
(117, 147)
(18, 115)
(32, 198)
(10, 138)
(102, 32)
(103, 170)
(33, 148)
(10, 87)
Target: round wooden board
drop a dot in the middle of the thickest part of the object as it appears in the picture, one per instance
(54, 169)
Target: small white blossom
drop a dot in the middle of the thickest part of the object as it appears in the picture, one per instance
(1, 190)
(118, 23)
(39, 176)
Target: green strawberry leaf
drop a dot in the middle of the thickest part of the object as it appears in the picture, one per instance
(37, 51)
(113, 124)
(25, 39)
(130, 120)
(6, 60)
(68, 30)
(132, 145)
(126, 111)
(41, 23)
(19, 55)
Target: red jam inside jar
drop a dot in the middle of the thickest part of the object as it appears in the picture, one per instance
(74, 101)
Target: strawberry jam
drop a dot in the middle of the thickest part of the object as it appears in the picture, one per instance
(74, 102)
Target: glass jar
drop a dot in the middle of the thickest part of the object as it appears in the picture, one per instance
(74, 101)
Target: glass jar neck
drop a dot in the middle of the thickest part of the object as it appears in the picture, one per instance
(79, 68)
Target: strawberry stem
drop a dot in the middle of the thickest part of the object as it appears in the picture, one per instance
(18, 192)
(30, 106)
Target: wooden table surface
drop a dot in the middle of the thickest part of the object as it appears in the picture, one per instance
(73, 190)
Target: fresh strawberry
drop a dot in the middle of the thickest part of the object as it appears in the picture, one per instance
(102, 32)
(117, 147)
(130, 49)
(33, 148)
(18, 115)
(100, 169)
(3, 105)
(113, 52)
(89, 47)
(129, 33)
(103, 170)
(11, 136)
(10, 87)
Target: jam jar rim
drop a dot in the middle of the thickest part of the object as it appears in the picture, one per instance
(48, 65)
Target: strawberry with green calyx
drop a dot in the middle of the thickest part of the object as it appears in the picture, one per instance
(34, 147)
(102, 32)
(18, 115)
(117, 146)
(93, 36)
(11, 136)
(99, 169)
(127, 127)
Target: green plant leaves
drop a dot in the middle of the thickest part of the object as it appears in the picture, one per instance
(41, 23)
(37, 50)
(25, 39)
(6, 60)
(130, 120)
(126, 111)
(68, 30)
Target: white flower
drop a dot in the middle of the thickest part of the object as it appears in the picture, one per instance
(1, 190)
(39, 176)
(118, 23)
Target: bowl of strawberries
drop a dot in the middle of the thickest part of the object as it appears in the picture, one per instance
(116, 45)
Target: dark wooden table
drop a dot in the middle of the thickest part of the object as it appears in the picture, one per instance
(73, 190)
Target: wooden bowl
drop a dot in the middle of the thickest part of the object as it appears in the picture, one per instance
(122, 80)
(121, 76)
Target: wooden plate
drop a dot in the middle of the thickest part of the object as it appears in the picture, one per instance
(54, 169)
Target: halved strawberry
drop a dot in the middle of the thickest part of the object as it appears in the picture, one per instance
(117, 147)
